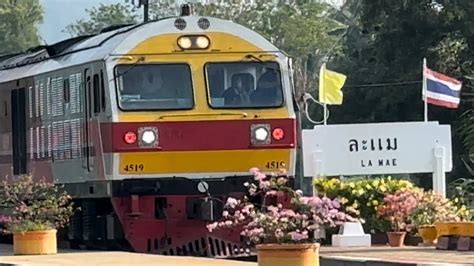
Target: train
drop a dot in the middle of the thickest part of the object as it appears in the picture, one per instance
(146, 124)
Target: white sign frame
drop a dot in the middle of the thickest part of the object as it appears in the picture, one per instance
(379, 148)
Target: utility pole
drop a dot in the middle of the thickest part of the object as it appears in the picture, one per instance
(145, 4)
(145, 10)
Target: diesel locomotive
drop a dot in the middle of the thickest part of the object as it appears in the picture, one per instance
(146, 125)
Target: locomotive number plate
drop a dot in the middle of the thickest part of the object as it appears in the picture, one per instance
(133, 168)
(275, 164)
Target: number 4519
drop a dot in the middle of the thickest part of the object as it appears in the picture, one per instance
(134, 167)
(275, 164)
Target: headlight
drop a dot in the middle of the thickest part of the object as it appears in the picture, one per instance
(260, 134)
(148, 136)
(194, 42)
(185, 42)
(202, 42)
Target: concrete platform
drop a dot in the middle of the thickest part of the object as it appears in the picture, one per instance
(329, 256)
(385, 255)
(93, 258)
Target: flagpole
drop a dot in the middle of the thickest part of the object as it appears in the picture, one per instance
(325, 114)
(425, 96)
(321, 87)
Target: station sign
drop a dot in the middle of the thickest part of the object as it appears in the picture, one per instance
(382, 148)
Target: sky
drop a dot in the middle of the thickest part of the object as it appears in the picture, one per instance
(60, 13)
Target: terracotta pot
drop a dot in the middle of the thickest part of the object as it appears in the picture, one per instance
(396, 239)
(429, 234)
(35, 243)
(288, 254)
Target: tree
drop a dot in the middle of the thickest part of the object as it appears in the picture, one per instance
(102, 17)
(303, 29)
(396, 36)
(161, 9)
(19, 22)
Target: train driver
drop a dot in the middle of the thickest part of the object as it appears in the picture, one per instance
(150, 84)
(239, 92)
(268, 92)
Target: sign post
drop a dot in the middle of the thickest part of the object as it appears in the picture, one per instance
(318, 164)
(439, 173)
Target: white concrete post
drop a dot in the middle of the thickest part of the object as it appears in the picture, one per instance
(439, 173)
(318, 168)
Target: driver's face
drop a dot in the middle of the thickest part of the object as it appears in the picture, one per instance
(239, 84)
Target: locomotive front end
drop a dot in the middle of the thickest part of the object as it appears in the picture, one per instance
(199, 101)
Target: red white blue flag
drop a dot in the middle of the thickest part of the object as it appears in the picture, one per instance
(440, 89)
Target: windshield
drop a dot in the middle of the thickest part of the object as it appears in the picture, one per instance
(244, 85)
(145, 87)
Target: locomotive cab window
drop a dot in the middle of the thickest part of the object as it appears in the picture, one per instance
(155, 87)
(244, 85)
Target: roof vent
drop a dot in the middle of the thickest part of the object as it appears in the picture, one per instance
(180, 24)
(204, 23)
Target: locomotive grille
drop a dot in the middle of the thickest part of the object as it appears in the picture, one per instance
(204, 247)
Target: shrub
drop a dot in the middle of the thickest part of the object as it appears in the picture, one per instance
(34, 205)
(397, 208)
(433, 207)
(364, 195)
(271, 220)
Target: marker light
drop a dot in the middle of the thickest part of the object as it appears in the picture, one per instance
(130, 137)
(260, 134)
(185, 42)
(202, 42)
(148, 137)
(278, 134)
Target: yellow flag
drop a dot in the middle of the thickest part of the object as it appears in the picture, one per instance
(330, 85)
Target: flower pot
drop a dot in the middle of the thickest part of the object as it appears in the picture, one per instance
(35, 242)
(429, 234)
(378, 238)
(396, 239)
(288, 254)
(412, 240)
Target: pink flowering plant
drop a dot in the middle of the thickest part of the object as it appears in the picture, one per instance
(433, 207)
(397, 209)
(280, 214)
(33, 205)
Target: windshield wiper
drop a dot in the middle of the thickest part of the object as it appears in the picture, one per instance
(264, 63)
(251, 56)
(139, 60)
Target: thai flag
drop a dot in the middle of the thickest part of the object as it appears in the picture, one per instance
(441, 89)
